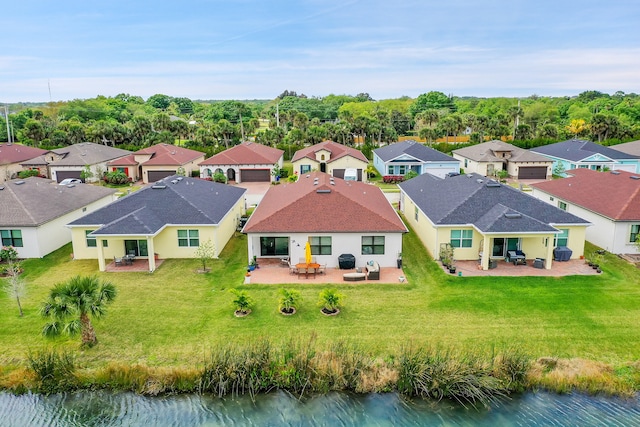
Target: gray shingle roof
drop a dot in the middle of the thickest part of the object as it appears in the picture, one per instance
(484, 152)
(87, 153)
(39, 200)
(579, 149)
(467, 199)
(187, 201)
(414, 149)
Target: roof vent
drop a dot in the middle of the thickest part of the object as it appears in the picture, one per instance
(323, 190)
(19, 182)
(632, 177)
(174, 181)
(315, 182)
(179, 178)
(158, 187)
(493, 183)
(479, 181)
(1, 187)
(615, 173)
(332, 183)
(512, 215)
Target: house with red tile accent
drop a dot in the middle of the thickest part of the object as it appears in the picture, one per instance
(12, 156)
(245, 162)
(159, 161)
(335, 159)
(335, 216)
(608, 200)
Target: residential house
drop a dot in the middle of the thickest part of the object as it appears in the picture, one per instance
(170, 218)
(483, 219)
(488, 158)
(581, 154)
(72, 161)
(404, 156)
(330, 157)
(245, 162)
(159, 161)
(336, 216)
(609, 200)
(34, 212)
(12, 156)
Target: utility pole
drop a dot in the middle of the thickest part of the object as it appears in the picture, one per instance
(277, 115)
(6, 115)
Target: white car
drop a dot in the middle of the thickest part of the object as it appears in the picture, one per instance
(68, 181)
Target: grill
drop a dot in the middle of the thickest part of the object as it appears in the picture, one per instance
(562, 253)
(346, 261)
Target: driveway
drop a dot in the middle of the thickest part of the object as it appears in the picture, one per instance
(255, 191)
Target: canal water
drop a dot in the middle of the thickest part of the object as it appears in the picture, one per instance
(106, 409)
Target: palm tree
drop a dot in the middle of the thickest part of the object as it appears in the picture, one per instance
(330, 300)
(71, 303)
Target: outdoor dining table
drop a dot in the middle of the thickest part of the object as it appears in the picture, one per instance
(306, 267)
(128, 259)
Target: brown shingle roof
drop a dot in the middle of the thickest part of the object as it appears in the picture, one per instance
(16, 153)
(247, 153)
(129, 160)
(337, 151)
(169, 155)
(342, 207)
(615, 195)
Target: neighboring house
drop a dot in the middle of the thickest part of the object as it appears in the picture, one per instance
(246, 162)
(483, 219)
(73, 160)
(490, 157)
(12, 156)
(159, 161)
(581, 154)
(170, 218)
(401, 157)
(609, 200)
(34, 212)
(335, 159)
(336, 216)
(632, 148)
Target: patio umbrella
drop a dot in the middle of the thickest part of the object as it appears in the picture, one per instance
(307, 253)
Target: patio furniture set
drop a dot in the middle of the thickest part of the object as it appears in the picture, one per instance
(124, 260)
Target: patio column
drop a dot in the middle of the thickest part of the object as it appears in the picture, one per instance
(101, 263)
(486, 253)
(151, 254)
(549, 253)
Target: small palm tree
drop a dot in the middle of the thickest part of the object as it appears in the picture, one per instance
(71, 304)
(289, 300)
(330, 300)
(242, 301)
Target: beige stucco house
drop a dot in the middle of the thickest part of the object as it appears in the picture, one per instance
(330, 157)
(245, 162)
(170, 219)
(12, 156)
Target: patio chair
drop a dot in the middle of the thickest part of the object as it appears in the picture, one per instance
(117, 261)
(302, 271)
(322, 269)
(292, 269)
(311, 270)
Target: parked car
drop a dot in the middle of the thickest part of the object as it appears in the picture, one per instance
(68, 181)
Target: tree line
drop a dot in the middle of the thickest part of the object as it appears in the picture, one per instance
(293, 120)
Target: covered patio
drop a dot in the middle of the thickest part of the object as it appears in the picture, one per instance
(504, 268)
(277, 273)
(140, 265)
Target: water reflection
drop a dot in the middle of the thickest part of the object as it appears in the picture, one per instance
(335, 409)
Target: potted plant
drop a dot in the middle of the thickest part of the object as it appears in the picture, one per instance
(289, 299)
(452, 267)
(330, 300)
(253, 264)
(242, 302)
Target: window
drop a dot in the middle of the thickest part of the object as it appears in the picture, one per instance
(188, 238)
(320, 245)
(274, 246)
(11, 238)
(91, 241)
(415, 214)
(561, 239)
(390, 170)
(562, 205)
(635, 230)
(105, 243)
(403, 170)
(461, 238)
(466, 163)
(373, 245)
(305, 168)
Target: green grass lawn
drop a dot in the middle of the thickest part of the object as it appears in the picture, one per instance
(175, 316)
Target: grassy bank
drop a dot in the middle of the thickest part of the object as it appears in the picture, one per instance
(171, 319)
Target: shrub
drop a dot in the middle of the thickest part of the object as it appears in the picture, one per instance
(242, 302)
(219, 177)
(289, 300)
(8, 253)
(330, 300)
(27, 173)
(54, 371)
(116, 178)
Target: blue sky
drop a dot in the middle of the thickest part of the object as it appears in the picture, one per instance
(248, 49)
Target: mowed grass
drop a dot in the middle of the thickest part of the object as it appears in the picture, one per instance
(176, 316)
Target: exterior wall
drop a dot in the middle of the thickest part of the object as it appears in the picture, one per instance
(130, 170)
(423, 228)
(476, 167)
(96, 169)
(341, 243)
(207, 171)
(9, 171)
(605, 233)
(188, 167)
(347, 162)
(325, 153)
(303, 162)
(513, 167)
(379, 165)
